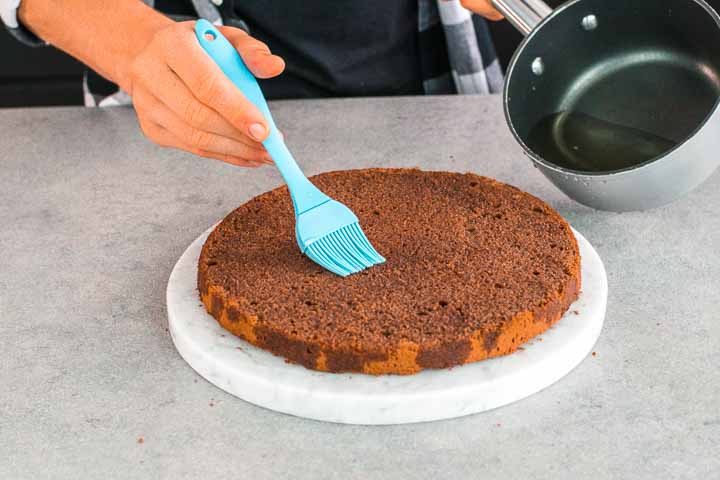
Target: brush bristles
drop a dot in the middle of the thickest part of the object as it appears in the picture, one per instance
(345, 251)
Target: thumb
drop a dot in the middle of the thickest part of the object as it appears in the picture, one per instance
(256, 55)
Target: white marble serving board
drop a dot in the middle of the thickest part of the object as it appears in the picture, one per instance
(268, 381)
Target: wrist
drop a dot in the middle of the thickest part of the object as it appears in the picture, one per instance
(30, 14)
(105, 35)
(140, 34)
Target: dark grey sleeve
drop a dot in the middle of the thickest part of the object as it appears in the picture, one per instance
(8, 17)
(26, 36)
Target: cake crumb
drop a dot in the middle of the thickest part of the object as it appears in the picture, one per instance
(140, 440)
(576, 312)
(594, 354)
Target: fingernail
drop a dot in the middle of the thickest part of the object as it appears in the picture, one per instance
(257, 131)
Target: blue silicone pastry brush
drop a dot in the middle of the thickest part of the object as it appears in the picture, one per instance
(326, 230)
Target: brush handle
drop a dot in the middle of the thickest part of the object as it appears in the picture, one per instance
(304, 194)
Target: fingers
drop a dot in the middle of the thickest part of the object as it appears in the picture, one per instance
(164, 137)
(199, 138)
(183, 99)
(153, 75)
(211, 87)
(483, 8)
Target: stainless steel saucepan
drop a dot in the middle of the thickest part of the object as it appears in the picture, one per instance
(617, 101)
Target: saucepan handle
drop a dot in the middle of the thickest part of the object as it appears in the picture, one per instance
(523, 14)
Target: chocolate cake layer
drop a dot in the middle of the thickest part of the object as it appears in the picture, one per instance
(475, 268)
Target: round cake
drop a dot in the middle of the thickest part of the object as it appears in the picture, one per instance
(475, 268)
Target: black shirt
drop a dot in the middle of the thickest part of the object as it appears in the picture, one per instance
(338, 48)
(331, 48)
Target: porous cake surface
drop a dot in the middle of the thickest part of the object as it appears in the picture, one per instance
(475, 268)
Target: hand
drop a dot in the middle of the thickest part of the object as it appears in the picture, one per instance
(183, 99)
(482, 7)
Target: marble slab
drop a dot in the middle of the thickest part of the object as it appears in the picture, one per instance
(261, 378)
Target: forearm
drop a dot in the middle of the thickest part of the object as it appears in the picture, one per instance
(105, 35)
(180, 95)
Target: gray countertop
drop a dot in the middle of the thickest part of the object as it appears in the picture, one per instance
(94, 217)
